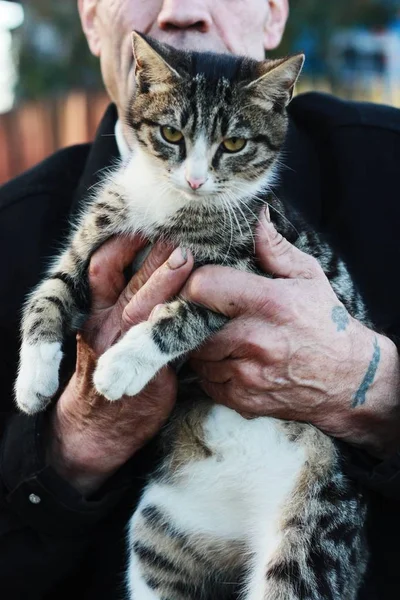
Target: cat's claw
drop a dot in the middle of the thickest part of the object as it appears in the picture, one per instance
(37, 380)
(127, 367)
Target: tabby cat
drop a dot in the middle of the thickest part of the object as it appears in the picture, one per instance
(253, 507)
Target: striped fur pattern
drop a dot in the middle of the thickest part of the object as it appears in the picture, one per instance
(255, 508)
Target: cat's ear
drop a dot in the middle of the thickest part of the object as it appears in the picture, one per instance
(276, 79)
(152, 68)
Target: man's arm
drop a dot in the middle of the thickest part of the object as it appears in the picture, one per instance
(52, 464)
(285, 354)
(90, 436)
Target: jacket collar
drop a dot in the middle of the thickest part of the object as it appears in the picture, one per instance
(299, 183)
(103, 154)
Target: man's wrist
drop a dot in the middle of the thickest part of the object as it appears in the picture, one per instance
(70, 450)
(84, 480)
(375, 424)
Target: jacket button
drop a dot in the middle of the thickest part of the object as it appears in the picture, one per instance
(34, 499)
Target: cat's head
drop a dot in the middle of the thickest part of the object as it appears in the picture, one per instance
(211, 125)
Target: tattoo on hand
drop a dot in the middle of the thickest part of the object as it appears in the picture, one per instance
(340, 317)
(360, 396)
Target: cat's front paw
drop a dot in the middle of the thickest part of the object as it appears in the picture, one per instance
(128, 366)
(37, 380)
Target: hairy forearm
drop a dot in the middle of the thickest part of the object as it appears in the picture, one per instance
(90, 438)
(71, 451)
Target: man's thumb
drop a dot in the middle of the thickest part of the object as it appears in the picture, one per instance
(280, 258)
(106, 269)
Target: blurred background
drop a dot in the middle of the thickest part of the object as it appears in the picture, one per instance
(51, 92)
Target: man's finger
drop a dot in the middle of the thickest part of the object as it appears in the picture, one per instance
(280, 258)
(239, 338)
(230, 292)
(155, 258)
(219, 346)
(106, 269)
(216, 391)
(165, 283)
(213, 372)
(227, 394)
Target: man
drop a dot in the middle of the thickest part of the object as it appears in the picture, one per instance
(70, 477)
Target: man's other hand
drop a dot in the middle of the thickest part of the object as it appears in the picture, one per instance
(292, 351)
(90, 437)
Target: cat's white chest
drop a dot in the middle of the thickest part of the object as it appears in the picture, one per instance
(252, 471)
(150, 200)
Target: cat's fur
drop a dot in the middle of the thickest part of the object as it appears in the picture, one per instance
(256, 507)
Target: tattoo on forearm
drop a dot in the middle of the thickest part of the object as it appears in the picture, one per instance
(360, 396)
(340, 317)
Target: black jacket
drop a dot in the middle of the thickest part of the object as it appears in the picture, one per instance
(342, 170)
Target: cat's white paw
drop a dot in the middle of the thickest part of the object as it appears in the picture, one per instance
(127, 367)
(37, 380)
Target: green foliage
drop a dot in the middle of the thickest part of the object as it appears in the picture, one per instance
(323, 17)
(54, 56)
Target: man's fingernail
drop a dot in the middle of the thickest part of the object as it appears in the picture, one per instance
(267, 215)
(155, 312)
(177, 258)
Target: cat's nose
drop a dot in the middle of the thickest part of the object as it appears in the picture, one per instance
(195, 183)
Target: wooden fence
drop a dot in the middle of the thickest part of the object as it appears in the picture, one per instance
(34, 130)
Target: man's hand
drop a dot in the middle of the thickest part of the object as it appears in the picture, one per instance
(292, 351)
(90, 437)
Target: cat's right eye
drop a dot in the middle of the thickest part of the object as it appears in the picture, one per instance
(234, 144)
(171, 135)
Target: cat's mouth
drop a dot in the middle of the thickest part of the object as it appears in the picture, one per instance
(211, 198)
(196, 194)
(193, 195)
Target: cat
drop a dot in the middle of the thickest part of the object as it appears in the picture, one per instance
(253, 507)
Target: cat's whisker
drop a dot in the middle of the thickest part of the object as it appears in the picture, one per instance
(248, 209)
(280, 162)
(264, 201)
(229, 203)
(250, 226)
(225, 204)
(272, 207)
(234, 205)
(224, 212)
(237, 201)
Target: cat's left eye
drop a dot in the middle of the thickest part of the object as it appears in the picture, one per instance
(171, 135)
(234, 144)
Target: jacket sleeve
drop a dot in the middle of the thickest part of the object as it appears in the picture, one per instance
(46, 527)
(381, 476)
